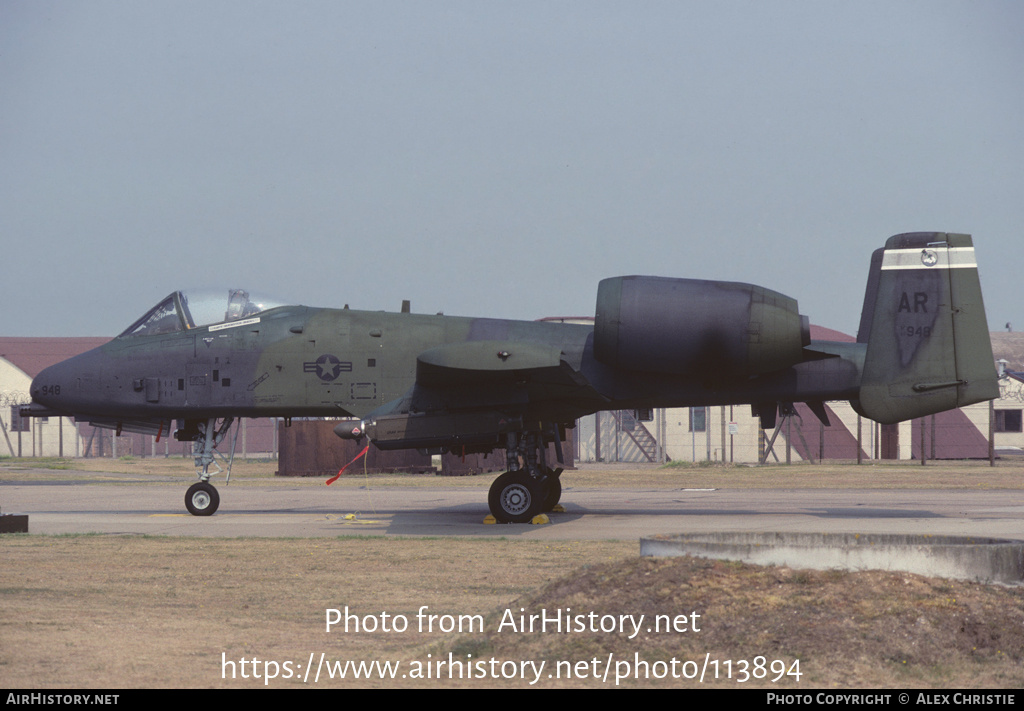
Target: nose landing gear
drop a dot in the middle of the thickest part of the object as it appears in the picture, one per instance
(202, 498)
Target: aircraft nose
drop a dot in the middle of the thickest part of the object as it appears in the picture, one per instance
(51, 385)
(59, 387)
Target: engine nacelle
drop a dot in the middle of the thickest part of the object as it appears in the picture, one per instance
(709, 328)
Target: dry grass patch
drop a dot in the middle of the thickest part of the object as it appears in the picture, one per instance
(113, 611)
(866, 629)
(129, 611)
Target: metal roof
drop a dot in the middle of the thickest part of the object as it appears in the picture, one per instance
(31, 355)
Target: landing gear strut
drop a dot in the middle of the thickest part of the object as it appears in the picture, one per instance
(529, 487)
(202, 498)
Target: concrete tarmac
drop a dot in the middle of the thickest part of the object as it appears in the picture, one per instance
(93, 504)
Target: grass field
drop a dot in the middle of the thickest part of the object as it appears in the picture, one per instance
(132, 611)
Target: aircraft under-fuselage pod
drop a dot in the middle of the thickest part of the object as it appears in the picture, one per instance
(441, 383)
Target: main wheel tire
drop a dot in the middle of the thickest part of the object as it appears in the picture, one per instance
(515, 497)
(554, 493)
(202, 499)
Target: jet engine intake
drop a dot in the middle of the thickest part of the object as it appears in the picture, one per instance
(695, 326)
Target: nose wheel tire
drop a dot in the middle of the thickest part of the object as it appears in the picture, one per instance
(202, 499)
(515, 497)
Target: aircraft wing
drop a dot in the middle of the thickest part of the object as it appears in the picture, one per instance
(482, 361)
(470, 393)
(505, 374)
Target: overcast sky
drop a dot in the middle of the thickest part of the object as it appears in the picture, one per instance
(496, 158)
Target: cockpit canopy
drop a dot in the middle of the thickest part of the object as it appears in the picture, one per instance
(183, 310)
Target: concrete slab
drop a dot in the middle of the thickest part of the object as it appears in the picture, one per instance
(961, 557)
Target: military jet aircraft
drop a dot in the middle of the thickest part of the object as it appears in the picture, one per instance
(441, 383)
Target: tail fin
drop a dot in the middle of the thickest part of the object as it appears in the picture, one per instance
(928, 346)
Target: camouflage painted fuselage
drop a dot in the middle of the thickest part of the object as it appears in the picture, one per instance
(655, 343)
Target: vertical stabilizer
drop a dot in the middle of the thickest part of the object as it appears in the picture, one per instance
(928, 346)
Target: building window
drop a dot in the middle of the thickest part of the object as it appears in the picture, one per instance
(626, 420)
(1008, 420)
(18, 423)
(698, 419)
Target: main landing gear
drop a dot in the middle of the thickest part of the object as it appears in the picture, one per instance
(202, 498)
(530, 487)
